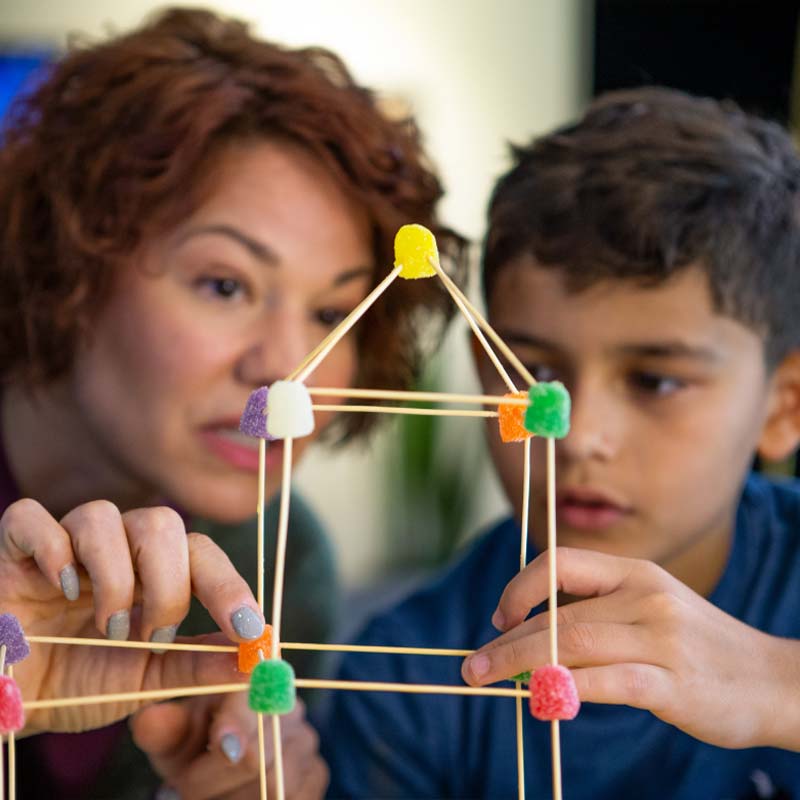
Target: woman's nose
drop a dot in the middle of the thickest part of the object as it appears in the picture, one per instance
(277, 347)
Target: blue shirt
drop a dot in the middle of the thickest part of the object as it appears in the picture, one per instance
(391, 745)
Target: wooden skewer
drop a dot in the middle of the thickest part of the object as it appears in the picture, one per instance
(262, 762)
(277, 748)
(301, 683)
(523, 560)
(489, 330)
(280, 548)
(302, 372)
(2, 756)
(475, 328)
(262, 474)
(426, 412)
(12, 755)
(422, 397)
(225, 648)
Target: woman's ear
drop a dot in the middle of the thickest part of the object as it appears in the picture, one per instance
(781, 433)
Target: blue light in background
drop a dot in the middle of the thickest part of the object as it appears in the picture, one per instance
(15, 69)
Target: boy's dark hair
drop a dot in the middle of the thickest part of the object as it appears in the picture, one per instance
(653, 180)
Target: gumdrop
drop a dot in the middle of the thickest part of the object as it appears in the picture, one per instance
(289, 412)
(13, 638)
(523, 677)
(414, 250)
(254, 417)
(553, 693)
(511, 418)
(12, 717)
(272, 689)
(548, 413)
(251, 652)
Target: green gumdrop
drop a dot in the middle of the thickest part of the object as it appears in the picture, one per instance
(548, 413)
(272, 689)
(523, 677)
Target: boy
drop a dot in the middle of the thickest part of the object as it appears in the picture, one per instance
(648, 257)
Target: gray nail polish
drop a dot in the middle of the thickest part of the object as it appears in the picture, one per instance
(165, 635)
(167, 793)
(231, 747)
(119, 626)
(247, 623)
(70, 584)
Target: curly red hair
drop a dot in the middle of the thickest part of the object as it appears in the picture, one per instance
(111, 149)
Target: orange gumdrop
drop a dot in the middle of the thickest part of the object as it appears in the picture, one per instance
(249, 651)
(512, 419)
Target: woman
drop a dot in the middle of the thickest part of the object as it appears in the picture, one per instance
(185, 211)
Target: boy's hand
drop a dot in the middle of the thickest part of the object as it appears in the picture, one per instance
(124, 573)
(207, 747)
(645, 640)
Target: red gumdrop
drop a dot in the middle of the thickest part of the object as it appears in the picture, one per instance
(12, 717)
(553, 693)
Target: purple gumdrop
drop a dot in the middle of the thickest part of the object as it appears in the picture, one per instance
(13, 638)
(254, 416)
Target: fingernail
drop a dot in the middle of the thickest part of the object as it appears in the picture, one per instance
(479, 665)
(165, 635)
(499, 620)
(70, 584)
(119, 626)
(232, 747)
(247, 623)
(167, 793)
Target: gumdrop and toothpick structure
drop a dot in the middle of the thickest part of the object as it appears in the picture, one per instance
(285, 411)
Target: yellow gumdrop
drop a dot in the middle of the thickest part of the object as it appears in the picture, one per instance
(414, 250)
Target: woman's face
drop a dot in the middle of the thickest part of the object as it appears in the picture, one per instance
(230, 300)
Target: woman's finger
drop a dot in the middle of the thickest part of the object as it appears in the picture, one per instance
(159, 549)
(101, 546)
(224, 592)
(28, 531)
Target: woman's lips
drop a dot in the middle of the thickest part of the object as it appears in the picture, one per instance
(588, 509)
(240, 451)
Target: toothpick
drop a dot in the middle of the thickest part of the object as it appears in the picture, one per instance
(427, 412)
(305, 369)
(280, 548)
(422, 397)
(489, 330)
(2, 658)
(12, 755)
(409, 688)
(475, 328)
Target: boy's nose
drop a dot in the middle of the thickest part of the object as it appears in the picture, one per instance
(277, 348)
(593, 432)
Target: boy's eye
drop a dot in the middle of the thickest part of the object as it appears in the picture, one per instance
(330, 317)
(542, 372)
(655, 384)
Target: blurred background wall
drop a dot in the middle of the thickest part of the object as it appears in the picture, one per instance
(478, 74)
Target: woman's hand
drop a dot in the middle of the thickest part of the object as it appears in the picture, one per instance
(208, 748)
(99, 572)
(642, 638)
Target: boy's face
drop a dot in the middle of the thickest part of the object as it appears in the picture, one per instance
(668, 402)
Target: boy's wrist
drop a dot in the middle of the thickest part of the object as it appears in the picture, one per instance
(780, 713)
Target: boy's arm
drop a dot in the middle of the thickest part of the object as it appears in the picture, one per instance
(641, 638)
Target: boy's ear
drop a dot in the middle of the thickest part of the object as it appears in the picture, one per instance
(781, 433)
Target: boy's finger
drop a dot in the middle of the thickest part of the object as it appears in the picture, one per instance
(101, 545)
(158, 546)
(579, 644)
(631, 684)
(27, 530)
(584, 573)
(224, 592)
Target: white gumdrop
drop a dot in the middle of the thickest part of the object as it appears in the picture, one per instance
(289, 413)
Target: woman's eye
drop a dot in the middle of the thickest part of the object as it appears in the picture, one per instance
(225, 288)
(330, 317)
(655, 384)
